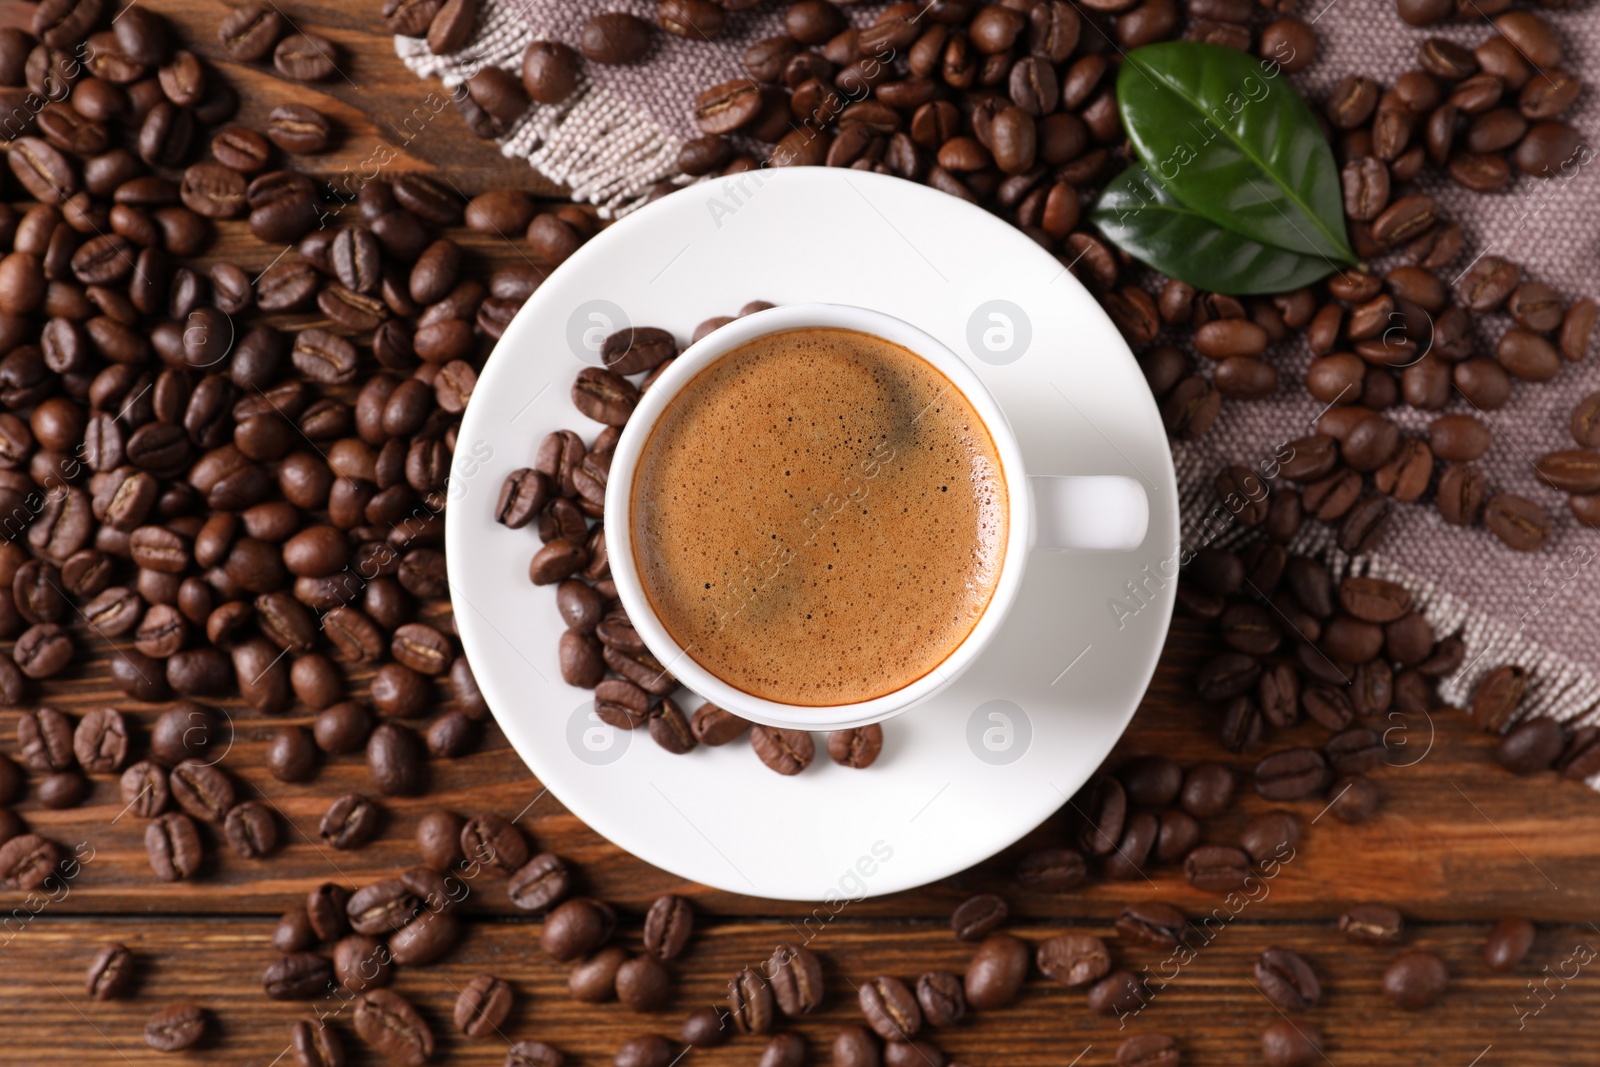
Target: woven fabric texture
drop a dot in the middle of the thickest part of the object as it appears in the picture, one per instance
(621, 131)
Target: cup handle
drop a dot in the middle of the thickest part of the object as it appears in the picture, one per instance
(1088, 513)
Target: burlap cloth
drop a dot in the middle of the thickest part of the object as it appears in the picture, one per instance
(620, 134)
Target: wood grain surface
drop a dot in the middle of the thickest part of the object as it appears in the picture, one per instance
(1458, 842)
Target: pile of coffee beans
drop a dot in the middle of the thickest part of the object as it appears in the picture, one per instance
(1535, 743)
(240, 508)
(601, 651)
(258, 510)
(1012, 106)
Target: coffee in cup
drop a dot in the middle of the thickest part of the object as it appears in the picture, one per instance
(819, 517)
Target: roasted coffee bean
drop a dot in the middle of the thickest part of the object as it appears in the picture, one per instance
(305, 57)
(604, 396)
(1460, 494)
(1374, 600)
(667, 927)
(1527, 355)
(1546, 148)
(703, 1028)
(1415, 980)
(298, 129)
(1531, 746)
(1312, 457)
(1372, 924)
(1074, 960)
(1227, 676)
(250, 829)
(1351, 640)
(42, 651)
(439, 839)
(1292, 774)
(395, 760)
(1487, 283)
(1052, 869)
(1577, 327)
(643, 984)
(750, 1002)
(1581, 758)
(398, 692)
(292, 755)
(1292, 1044)
(111, 973)
(175, 1028)
(173, 846)
(1207, 790)
(1409, 639)
(1519, 523)
(342, 728)
(1219, 571)
(1354, 800)
(1508, 944)
(977, 917)
(495, 842)
(387, 1022)
(1154, 924)
(316, 1044)
(942, 998)
(786, 751)
(202, 789)
(549, 71)
(994, 975)
(594, 980)
(144, 789)
(249, 33)
(1103, 805)
(1190, 409)
(452, 735)
(614, 38)
(890, 1008)
(1271, 835)
(1242, 724)
(918, 1052)
(1571, 471)
(1278, 694)
(324, 357)
(45, 740)
(1355, 750)
(27, 861)
(1286, 979)
(1151, 781)
(426, 938)
(1117, 994)
(1149, 1050)
(350, 822)
(651, 1050)
(482, 1006)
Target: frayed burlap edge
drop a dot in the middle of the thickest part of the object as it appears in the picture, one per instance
(1558, 686)
(605, 153)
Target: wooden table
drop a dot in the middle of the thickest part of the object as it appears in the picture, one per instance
(1458, 843)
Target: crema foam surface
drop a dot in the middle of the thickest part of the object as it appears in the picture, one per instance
(819, 517)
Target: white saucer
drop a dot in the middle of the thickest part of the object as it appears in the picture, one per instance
(988, 759)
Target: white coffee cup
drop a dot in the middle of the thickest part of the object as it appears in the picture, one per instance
(1053, 513)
